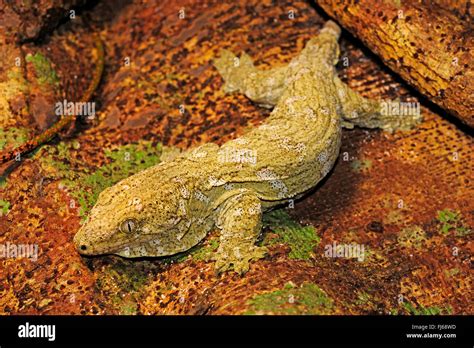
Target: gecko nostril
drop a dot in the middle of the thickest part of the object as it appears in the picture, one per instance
(83, 247)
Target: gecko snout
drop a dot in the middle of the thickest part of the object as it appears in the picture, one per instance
(81, 246)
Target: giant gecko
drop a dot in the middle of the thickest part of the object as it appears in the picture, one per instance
(171, 207)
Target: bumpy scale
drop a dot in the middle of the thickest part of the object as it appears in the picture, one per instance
(169, 208)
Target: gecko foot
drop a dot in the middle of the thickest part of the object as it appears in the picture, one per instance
(237, 259)
(234, 70)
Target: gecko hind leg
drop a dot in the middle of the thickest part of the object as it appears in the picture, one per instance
(367, 113)
(240, 221)
(263, 87)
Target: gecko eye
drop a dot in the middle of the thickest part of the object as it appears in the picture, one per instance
(128, 226)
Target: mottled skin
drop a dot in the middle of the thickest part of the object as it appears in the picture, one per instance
(170, 207)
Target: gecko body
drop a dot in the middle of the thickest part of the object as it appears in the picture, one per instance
(172, 206)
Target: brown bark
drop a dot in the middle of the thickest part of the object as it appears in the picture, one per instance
(464, 9)
(27, 20)
(428, 47)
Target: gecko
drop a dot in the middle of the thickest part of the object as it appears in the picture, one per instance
(170, 207)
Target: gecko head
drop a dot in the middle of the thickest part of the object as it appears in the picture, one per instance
(138, 217)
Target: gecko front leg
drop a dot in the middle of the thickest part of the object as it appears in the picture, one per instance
(367, 113)
(240, 222)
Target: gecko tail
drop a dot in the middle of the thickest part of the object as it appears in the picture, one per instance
(332, 28)
(325, 44)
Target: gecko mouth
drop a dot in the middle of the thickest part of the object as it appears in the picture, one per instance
(128, 246)
(92, 249)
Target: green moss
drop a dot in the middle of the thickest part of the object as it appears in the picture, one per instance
(63, 149)
(205, 252)
(395, 217)
(372, 255)
(452, 272)
(363, 298)
(411, 309)
(412, 236)
(361, 165)
(43, 69)
(292, 300)
(301, 239)
(368, 302)
(122, 283)
(128, 308)
(55, 161)
(448, 219)
(125, 276)
(11, 138)
(462, 231)
(452, 221)
(4, 207)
